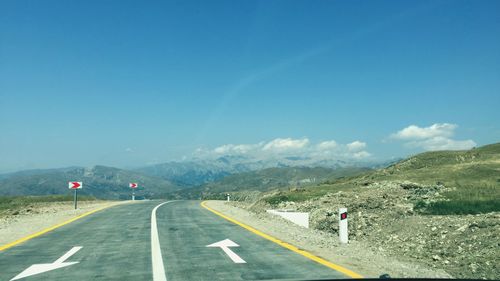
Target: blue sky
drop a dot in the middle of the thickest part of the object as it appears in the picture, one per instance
(129, 83)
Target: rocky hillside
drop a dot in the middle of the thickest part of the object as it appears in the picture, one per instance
(99, 181)
(439, 209)
(383, 216)
(475, 167)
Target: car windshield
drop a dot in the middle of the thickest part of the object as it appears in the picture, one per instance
(249, 140)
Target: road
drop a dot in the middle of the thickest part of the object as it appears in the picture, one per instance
(119, 243)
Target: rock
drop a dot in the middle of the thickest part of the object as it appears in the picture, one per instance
(474, 225)
(462, 228)
(409, 185)
(436, 258)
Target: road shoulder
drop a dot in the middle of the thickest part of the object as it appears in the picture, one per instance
(354, 256)
(43, 216)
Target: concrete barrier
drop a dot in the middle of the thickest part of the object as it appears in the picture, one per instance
(298, 218)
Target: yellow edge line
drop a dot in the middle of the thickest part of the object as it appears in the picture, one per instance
(290, 247)
(24, 239)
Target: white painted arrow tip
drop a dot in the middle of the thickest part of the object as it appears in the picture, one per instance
(224, 243)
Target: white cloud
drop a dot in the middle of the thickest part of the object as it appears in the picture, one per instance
(285, 144)
(284, 147)
(414, 132)
(356, 146)
(327, 145)
(128, 149)
(361, 155)
(435, 137)
(237, 149)
(441, 143)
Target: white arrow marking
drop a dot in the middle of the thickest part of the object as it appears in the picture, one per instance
(224, 245)
(44, 267)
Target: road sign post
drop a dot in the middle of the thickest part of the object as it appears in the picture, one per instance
(76, 198)
(133, 186)
(343, 235)
(75, 185)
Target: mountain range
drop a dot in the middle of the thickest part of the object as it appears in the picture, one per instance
(191, 179)
(172, 177)
(268, 179)
(98, 181)
(201, 171)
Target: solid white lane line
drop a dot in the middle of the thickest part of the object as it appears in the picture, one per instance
(156, 258)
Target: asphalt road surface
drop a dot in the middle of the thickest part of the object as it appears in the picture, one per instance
(127, 242)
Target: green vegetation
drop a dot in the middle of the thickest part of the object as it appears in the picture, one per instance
(17, 202)
(464, 200)
(460, 207)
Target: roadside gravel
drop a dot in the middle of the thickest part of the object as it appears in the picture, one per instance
(355, 256)
(36, 217)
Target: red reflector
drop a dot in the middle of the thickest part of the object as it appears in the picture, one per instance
(343, 216)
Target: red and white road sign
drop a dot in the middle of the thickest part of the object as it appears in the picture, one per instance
(75, 184)
(133, 185)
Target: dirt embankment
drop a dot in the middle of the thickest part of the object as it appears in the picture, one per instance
(356, 256)
(384, 226)
(33, 218)
(382, 216)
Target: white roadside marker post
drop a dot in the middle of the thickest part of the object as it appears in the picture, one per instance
(228, 197)
(343, 235)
